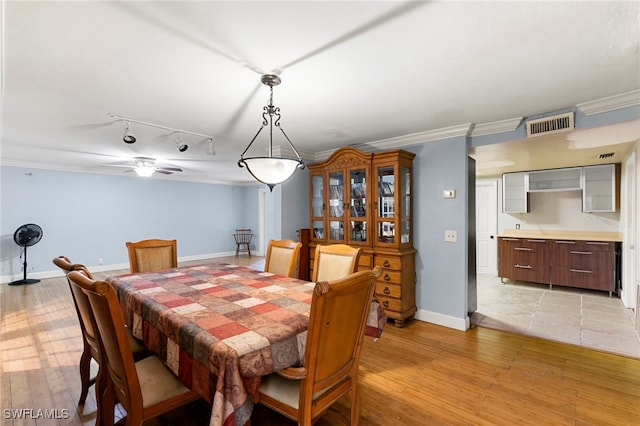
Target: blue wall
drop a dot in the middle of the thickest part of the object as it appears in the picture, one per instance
(89, 216)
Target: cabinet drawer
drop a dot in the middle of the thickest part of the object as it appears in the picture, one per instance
(390, 303)
(394, 277)
(580, 259)
(584, 278)
(560, 245)
(387, 262)
(388, 290)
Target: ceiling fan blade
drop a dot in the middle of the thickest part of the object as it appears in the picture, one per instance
(169, 169)
(164, 172)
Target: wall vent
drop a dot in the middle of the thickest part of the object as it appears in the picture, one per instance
(606, 155)
(550, 125)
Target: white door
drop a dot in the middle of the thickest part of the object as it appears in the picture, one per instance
(487, 227)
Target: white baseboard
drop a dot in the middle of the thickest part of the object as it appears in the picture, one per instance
(5, 279)
(462, 324)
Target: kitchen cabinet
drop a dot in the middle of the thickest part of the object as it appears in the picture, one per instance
(601, 186)
(583, 264)
(366, 200)
(555, 179)
(569, 262)
(523, 259)
(515, 195)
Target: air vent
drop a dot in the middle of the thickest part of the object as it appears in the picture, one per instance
(606, 155)
(550, 125)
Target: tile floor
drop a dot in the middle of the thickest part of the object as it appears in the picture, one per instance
(580, 317)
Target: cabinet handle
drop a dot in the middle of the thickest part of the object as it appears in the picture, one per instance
(523, 266)
(580, 252)
(537, 241)
(510, 239)
(565, 242)
(522, 248)
(386, 290)
(385, 303)
(386, 264)
(582, 271)
(597, 243)
(386, 277)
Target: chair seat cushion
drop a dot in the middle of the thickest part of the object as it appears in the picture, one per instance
(281, 389)
(157, 382)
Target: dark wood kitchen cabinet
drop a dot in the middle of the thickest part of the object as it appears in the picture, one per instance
(588, 264)
(583, 264)
(523, 259)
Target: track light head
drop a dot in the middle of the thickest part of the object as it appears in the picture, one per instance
(128, 136)
(182, 147)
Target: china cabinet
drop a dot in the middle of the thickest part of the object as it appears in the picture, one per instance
(366, 200)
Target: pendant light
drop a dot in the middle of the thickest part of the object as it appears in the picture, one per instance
(271, 170)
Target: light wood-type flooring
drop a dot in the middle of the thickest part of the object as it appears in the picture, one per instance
(422, 374)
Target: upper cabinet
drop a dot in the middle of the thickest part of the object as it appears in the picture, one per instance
(601, 188)
(392, 208)
(339, 195)
(555, 179)
(515, 198)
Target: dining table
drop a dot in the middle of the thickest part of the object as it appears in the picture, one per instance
(220, 327)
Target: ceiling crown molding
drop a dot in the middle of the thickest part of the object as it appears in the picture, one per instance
(494, 127)
(610, 103)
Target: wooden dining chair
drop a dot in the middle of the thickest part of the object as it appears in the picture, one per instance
(334, 261)
(152, 255)
(339, 311)
(146, 388)
(282, 257)
(88, 328)
(243, 238)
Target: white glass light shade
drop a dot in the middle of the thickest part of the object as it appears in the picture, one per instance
(270, 170)
(145, 170)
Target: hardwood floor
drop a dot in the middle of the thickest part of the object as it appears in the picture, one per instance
(420, 374)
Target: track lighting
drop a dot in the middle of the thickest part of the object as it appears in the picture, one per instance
(211, 149)
(128, 136)
(182, 147)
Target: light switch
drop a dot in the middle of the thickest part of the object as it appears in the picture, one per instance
(449, 193)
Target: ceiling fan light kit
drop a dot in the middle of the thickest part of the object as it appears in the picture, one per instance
(271, 170)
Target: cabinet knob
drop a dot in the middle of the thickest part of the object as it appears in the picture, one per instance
(386, 290)
(385, 303)
(386, 264)
(387, 277)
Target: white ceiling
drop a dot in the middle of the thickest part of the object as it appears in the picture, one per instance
(352, 72)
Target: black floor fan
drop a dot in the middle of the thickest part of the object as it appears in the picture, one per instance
(26, 236)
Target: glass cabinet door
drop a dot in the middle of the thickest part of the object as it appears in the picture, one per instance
(317, 206)
(358, 206)
(405, 200)
(336, 206)
(386, 231)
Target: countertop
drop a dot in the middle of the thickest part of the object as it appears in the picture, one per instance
(562, 235)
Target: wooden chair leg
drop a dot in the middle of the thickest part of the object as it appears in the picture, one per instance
(85, 374)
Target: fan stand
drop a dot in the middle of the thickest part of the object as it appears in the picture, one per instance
(25, 280)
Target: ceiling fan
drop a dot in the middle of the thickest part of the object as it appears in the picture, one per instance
(146, 166)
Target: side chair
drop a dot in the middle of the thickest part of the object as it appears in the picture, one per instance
(282, 257)
(146, 388)
(243, 238)
(334, 261)
(88, 328)
(339, 311)
(152, 255)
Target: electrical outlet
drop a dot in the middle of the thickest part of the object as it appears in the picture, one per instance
(451, 236)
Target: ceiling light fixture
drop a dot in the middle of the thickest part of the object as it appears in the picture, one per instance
(130, 138)
(182, 147)
(271, 170)
(144, 168)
